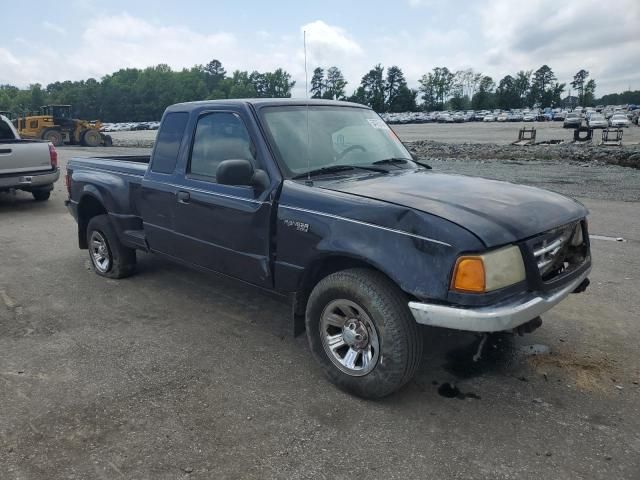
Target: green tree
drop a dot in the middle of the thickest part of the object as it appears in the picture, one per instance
(242, 86)
(555, 94)
(458, 99)
(438, 83)
(542, 87)
(406, 101)
(335, 84)
(484, 98)
(589, 93)
(394, 82)
(213, 73)
(372, 89)
(507, 95)
(428, 91)
(276, 84)
(522, 85)
(579, 81)
(318, 85)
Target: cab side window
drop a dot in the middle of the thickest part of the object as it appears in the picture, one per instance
(168, 142)
(219, 136)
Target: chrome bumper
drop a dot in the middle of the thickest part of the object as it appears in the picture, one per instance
(32, 180)
(493, 318)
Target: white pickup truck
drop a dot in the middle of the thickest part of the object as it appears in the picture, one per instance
(29, 165)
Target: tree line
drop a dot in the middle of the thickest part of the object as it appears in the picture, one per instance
(466, 89)
(134, 94)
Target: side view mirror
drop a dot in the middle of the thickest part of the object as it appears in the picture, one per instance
(241, 172)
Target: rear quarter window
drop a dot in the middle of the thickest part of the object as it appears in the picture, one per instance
(5, 131)
(168, 142)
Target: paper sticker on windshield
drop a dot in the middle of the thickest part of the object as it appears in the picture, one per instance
(377, 123)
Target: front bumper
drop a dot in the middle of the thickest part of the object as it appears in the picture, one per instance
(494, 318)
(29, 180)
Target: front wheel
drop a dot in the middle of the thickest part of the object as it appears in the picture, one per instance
(109, 257)
(362, 333)
(91, 138)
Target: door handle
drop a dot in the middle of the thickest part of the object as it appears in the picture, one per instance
(183, 197)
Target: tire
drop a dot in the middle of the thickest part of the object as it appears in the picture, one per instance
(109, 258)
(368, 304)
(53, 136)
(91, 138)
(41, 195)
(108, 141)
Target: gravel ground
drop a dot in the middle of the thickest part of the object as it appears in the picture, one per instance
(499, 133)
(577, 179)
(473, 132)
(174, 374)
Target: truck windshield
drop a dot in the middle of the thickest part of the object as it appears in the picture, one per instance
(335, 136)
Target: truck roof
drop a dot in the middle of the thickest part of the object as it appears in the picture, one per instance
(261, 102)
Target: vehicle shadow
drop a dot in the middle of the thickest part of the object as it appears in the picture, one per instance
(21, 201)
(449, 356)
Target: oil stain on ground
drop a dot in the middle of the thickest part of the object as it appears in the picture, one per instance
(490, 354)
(449, 390)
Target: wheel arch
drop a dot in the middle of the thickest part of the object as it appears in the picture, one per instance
(323, 266)
(89, 206)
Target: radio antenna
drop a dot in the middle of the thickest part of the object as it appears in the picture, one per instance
(306, 87)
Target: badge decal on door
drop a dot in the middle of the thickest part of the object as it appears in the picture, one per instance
(300, 226)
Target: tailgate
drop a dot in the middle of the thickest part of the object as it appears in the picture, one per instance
(24, 156)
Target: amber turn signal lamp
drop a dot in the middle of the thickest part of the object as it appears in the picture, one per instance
(469, 275)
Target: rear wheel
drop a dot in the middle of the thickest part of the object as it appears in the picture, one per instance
(362, 333)
(109, 257)
(91, 138)
(41, 195)
(53, 136)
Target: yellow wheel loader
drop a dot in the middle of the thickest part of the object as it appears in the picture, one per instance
(54, 124)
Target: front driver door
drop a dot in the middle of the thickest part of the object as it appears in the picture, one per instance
(220, 227)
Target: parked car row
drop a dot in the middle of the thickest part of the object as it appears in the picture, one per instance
(525, 115)
(128, 126)
(603, 116)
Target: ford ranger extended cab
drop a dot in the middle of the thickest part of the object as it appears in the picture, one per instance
(320, 202)
(29, 165)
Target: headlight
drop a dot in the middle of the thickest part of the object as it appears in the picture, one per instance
(489, 271)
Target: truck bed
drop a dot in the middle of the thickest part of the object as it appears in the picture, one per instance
(130, 165)
(19, 157)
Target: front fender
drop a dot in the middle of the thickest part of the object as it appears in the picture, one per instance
(415, 250)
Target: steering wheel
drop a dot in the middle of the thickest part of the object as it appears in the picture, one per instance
(349, 150)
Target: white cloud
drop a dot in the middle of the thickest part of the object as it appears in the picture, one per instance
(589, 34)
(7, 58)
(122, 41)
(329, 43)
(491, 36)
(54, 28)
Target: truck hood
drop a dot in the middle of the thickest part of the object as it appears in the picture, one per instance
(496, 212)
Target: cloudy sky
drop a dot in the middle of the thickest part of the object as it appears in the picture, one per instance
(89, 39)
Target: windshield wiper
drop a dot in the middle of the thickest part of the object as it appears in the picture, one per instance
(335, 169)
(393, 161)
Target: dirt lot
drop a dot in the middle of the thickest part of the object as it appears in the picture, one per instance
(500, 133)
(473, 132)
(176, 374)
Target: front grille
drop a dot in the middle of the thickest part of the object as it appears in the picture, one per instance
(559, 251)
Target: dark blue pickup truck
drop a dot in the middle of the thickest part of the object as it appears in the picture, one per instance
(320, 202)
